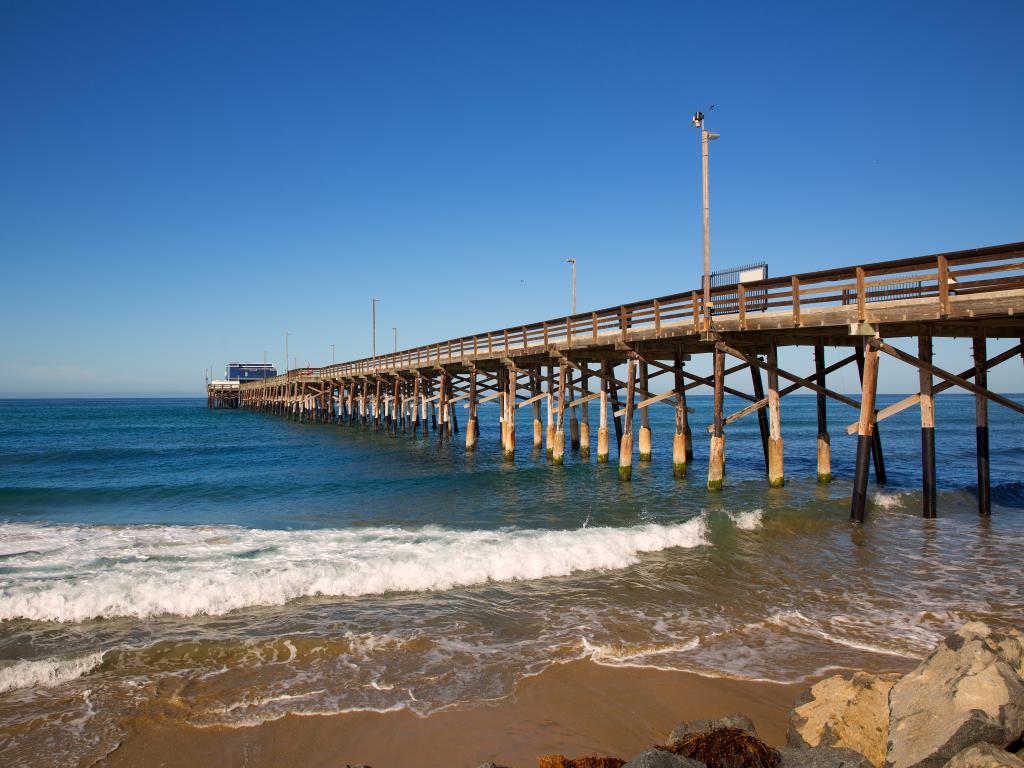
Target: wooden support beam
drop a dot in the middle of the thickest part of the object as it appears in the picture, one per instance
(865, 427)
(824, 442)
(716, 454)
(645, 417)
(877, 457)
(762, 417)
(558, 451)
(626, 443)
(776, 472)
(928, 490)
(981, 427)
(952, 377)
(642, 405)
(680, 455)
(584, 439)
(912, 400)
(786, 375)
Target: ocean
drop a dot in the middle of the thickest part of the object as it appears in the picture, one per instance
(227, 567)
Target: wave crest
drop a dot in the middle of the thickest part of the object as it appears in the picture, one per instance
(87, 572)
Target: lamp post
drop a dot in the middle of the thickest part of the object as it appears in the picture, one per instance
(374, 302)
(573, 262)
(705, 137)
(286, 335)
(394, 330)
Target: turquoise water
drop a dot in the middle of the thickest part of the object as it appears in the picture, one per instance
(228, 567)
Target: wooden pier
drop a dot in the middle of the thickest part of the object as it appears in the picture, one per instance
(568, 365)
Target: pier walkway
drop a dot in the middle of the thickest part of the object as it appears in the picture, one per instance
(978, 294)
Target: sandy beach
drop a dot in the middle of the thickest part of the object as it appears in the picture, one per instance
(575, 708)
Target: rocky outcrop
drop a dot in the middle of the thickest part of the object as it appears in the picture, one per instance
(969, 690)
(984, 756)
(659, 758)
(849, 711)
(821, 757)
(699, 726)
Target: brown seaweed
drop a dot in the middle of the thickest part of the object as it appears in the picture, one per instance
(725, 748)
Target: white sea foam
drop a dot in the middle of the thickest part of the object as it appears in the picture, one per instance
(747, 521)
(89, 572)
(46, 673)
(883, 500)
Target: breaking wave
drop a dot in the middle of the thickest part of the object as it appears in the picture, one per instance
(76, 573)
(46, 673)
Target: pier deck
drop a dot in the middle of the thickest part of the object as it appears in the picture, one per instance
(976, 293)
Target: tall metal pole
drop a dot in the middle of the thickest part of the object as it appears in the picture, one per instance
(573, 262)
(286, 335)
(705, 137)
(395, 331)
(375, 300)
(707, 228)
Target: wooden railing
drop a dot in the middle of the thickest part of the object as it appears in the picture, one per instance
(936, 278)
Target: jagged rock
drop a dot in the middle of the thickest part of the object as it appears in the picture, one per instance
(699, 726)
(659, 758)
(821, 757)
(850, 711)
(984, 756)
(967, 691)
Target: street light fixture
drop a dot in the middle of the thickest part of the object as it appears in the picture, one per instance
(705, 137)
(394, 330)
(573, 262)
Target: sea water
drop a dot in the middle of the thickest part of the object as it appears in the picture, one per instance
(227, 567)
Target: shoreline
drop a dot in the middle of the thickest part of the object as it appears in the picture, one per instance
(576, 708)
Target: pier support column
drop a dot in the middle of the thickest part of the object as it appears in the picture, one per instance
(865, 428)
(981, 423)
(509, 448)
(776, 472)
(538, 427)
(558, 450)
(471, 423)
(877, 457)
(602, 429)
(824, 443)
(574, 423)
(679, 452)
(716, 454)
(549, 442)
(928, 497)
(626, 442)
(645, 418)
(762, 414)
(585, 415)
(613, 395)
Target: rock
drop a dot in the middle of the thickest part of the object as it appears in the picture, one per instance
(984, 756)
(967, 691)
(659, 758)
(821, 757)
(699, 726)
(850, 711)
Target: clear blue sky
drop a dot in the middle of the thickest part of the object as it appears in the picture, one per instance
(180, 183)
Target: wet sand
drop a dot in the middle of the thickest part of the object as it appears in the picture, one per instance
(576, 708)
